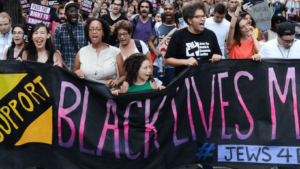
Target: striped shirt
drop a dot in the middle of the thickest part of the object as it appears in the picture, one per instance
(5, 41)
(63, 43)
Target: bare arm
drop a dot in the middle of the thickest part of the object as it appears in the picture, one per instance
(266, 36)
(121, 69)
(152, 46)
(256, 43)
(57, 59)
(5, 54)
(24, 55)
(230, 38)
(181, 62)
(76, 63)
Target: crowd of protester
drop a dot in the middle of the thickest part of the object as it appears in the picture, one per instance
(167, 35)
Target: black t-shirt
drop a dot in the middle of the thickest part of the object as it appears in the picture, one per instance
(228, 17)
(113, 40)
(184, 45)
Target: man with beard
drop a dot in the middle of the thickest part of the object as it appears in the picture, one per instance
(142, 23)
(61, 17)
(69, 37)
(192, 44)
(162, 33)
(113, 17)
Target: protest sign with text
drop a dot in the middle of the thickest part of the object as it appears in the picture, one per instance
(230, 112)
(40, 13)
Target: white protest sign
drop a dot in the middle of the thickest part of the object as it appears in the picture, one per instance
(262, 15)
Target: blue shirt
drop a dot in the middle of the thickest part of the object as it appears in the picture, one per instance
(63, 43)
(159, 31)
(5, 40)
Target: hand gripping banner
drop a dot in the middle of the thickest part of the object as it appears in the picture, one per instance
(231, 112)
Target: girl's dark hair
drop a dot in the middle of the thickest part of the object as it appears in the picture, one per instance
(30, 48)
(244, 14)
(101, 10)
(105, 28)
(236, 35)
(154, 14)
(276, 18)
(107, 4)
(134, 9)
(24, 30)
(132, 66)
(148, 2)
(176, 16)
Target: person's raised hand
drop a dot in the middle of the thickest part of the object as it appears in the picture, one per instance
(191, 62)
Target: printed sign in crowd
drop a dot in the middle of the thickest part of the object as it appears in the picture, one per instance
(25, 4)
(233, 111)
(40, 13)
(262, 15)
(87, 7)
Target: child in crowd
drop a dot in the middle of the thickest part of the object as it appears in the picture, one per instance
(138, 75)
(156, 16)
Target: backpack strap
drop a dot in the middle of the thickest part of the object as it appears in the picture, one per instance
(138, 45)
(135, 20)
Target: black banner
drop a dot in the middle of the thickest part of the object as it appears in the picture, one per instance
(231, 112)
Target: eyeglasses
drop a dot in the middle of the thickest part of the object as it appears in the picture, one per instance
(17, 33)
(199, 16)
(73, 12)
(116, 4)
(289, 41)
(97, 30)
(4, 25)
(123, 34)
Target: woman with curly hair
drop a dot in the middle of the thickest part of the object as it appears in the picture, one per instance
(99, 61)
(139, 77)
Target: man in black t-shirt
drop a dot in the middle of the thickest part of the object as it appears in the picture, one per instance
(113, 17)
(190, 45)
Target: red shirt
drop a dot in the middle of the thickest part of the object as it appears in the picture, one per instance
(245, 51)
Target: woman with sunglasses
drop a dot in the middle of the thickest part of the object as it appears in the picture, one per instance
(17, 45)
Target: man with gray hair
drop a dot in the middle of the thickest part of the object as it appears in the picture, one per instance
(5, 33)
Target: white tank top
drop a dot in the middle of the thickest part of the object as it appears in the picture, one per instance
(100, 68)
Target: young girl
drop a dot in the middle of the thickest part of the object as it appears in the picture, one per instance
(138, 75)
(156, 16)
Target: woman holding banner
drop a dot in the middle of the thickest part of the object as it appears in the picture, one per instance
(17, 45)
(40, 47)
(99, 61)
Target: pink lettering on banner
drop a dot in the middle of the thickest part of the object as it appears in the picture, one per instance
(150, 126)
(223, 104)
(248, 114)
(63, 112)
(187, 84)
(82, 123)
(110, 105)
(175, 140)
(39, 15)
(32, 21)
(126, 130)
(272, 79)
(208, 131)
(40, 8)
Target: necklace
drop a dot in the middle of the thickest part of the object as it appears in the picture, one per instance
(282, 53)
